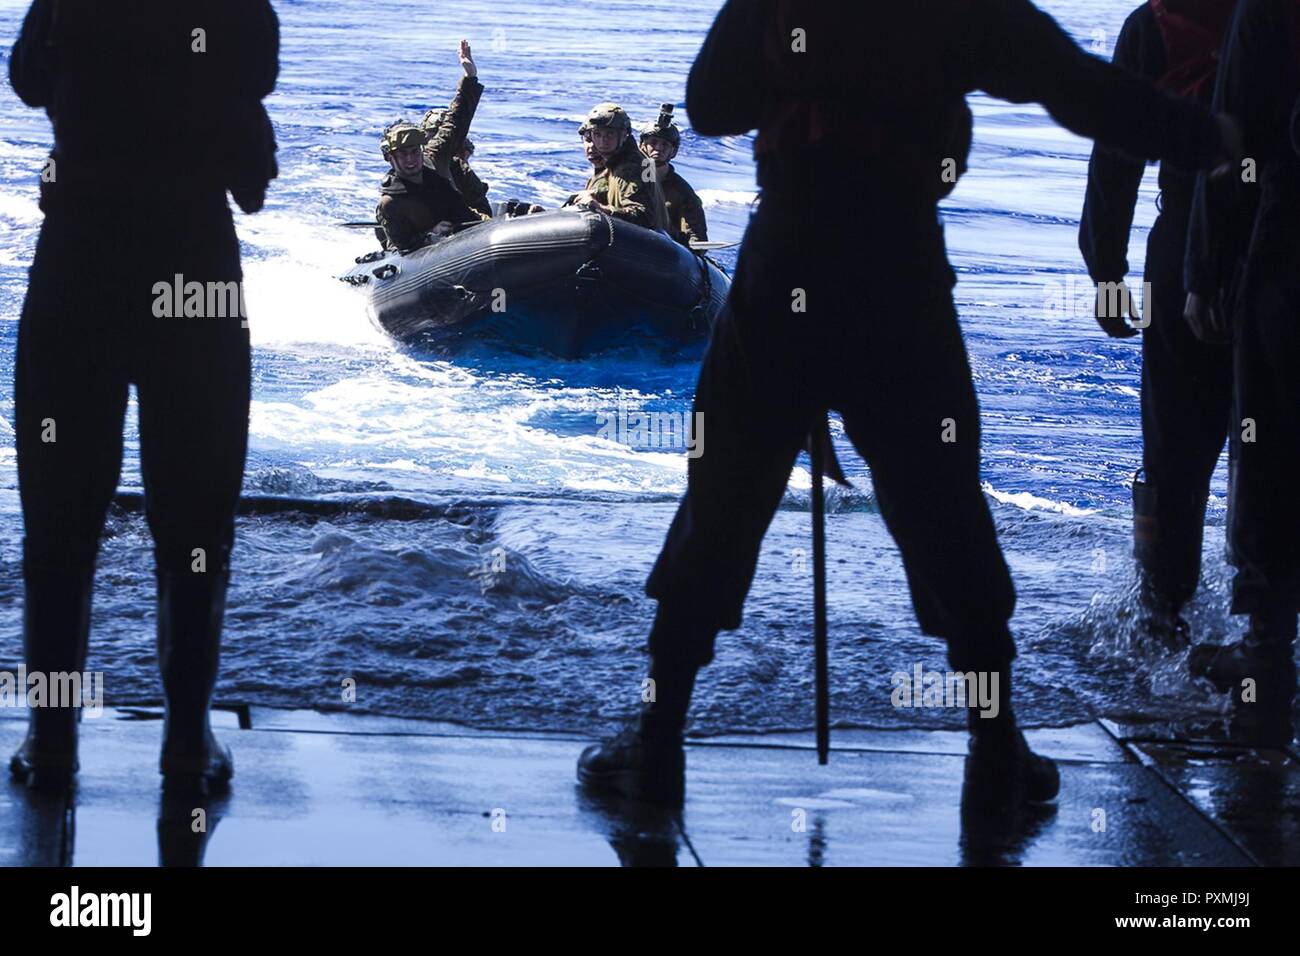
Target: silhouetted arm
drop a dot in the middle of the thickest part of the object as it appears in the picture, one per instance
(631, 199)
(1223, 209)
(32, 62)
(725, 92)
(1017, 52)
(1114, 177)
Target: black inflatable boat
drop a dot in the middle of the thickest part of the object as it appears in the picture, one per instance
(567, 282)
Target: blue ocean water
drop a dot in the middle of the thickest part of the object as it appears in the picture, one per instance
(515, 599)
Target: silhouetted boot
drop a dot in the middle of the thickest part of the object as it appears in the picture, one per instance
(1168, 557)
(1260, 672)
(645, 761)
(1001, 771)
(56, 627)
(1160, 622)
(190, 609)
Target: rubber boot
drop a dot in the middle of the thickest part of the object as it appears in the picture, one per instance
(56, 628)
(1160, 621)
(1001, 771)
(190, 609)
(1260, 672)
(646, 761)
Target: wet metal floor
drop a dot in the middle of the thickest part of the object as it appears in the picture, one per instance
(336, 789)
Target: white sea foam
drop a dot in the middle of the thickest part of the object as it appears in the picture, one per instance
(1032, 502)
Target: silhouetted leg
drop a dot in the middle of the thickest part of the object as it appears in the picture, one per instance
(193, 382)
(1186, 406)
(754, 399)
(1265, 510)
(753, 423)
(909, 407)
(70, 393)
(913, 416)
(1263, 515)
(753, 410)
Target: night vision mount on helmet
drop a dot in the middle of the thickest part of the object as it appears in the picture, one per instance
(663, 127)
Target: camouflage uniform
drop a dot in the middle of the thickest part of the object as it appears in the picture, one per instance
(686, 219)
(472, 189)
(448, 131)
(408, 209)
(623, 189)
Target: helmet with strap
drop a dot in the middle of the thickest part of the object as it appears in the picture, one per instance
(609, 116)
(401, 135)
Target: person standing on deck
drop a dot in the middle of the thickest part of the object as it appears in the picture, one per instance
(1186, 383)
(157, 113)
(855, 313)
(1245, 231)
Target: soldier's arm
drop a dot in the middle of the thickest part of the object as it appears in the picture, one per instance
(457, 210)
(1223, 209)
(1016, 52)
(725, 95)
(634, 200)
(1114, 177)
(32, 63)
(475, 192)
(697, 226)
(399, 232)
(453, 132)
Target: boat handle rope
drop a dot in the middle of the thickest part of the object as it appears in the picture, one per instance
(609, 223)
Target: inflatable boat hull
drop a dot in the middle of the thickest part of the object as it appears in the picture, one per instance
(566, 282)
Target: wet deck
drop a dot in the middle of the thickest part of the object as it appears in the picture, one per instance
(339, 789)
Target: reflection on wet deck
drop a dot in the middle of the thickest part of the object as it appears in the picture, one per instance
(314, 789)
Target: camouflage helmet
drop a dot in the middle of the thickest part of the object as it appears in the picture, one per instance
(584, 131)
(434, 118)
(663, 127)
(401, 135)
(608, 116)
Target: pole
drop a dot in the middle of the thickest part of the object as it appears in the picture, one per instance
(822, 664)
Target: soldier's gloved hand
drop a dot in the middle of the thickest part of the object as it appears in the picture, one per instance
(1208, 322)
(1109, 311)
(467, 59)
(1232, 146)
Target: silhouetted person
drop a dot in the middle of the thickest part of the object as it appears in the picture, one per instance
(855, 313)
(1254, 212)
(156, 108)
(1186, 383)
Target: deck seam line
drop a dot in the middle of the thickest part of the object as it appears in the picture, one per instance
(1148, 764)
